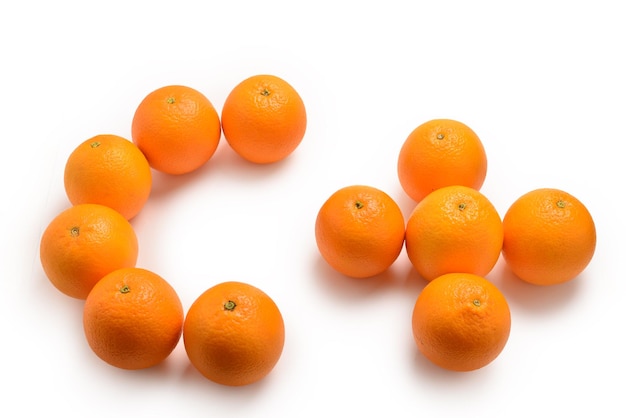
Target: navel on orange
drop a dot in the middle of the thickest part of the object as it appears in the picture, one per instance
(177, 128)
(234, 334)
(461, 322)
(133, 318)
(264, 119)
(359, 231)
(454, 229)
(109, 170)
(439, 153)
(549, 237)
(84, 243)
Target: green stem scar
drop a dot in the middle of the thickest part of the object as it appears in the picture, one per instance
(358, 204)
(462, 206)
(265, 92)
(476, 302)
(94, 144)
(560, 204)
(75, 231)
(125, 289)
(171, 100)
(230, 305)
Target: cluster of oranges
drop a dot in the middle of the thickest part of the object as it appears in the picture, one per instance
(453, 238)
(133, 318)
(234, 333)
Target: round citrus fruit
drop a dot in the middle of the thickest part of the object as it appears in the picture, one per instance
(109, 170)
(359, 231)
(264, 119)
(177, 128)
(454, 229)
(234, 334)
(549, 237)
(461, 322)
(84, 243)
(133, 318)
(439, 153)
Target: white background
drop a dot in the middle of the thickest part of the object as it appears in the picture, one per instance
(541, 82)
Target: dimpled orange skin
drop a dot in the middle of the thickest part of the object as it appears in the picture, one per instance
(177, 128)
(359, 231)
(234, 334)
(461, 322)
(455, 229)
(133, 319)
(109, 170)
(549, 237)
(264, 119)
(439, 153)
(84, 243)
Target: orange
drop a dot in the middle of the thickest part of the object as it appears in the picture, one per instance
(359, 231)
(549, 237)
(234, 334)
(177, 128)
(461, 322)
(84, 243)
(109, 170)
(439, 153)
(454, 229)
(264, 119)
(133, 319)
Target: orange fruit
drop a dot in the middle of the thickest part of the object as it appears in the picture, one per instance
(549, 237)
(359, 231)
(264, 119)
(109, 170)
(177, 128)
(454, 229)
(133, 318)
(84, 243)
(461, 321)
(234, 334)
(439, 153)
